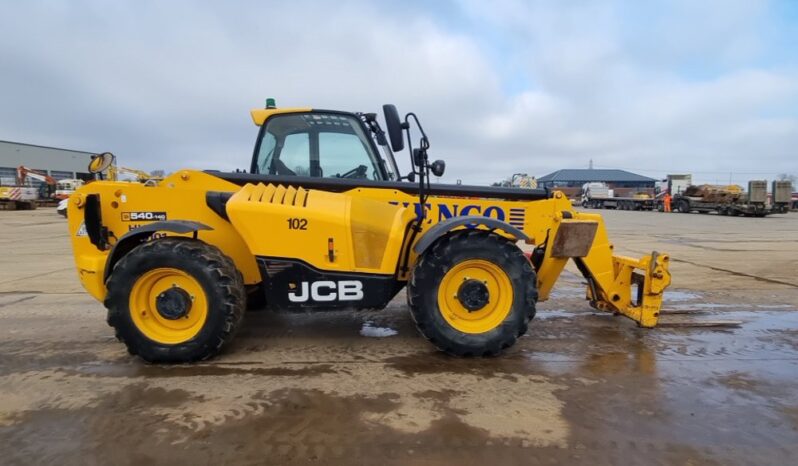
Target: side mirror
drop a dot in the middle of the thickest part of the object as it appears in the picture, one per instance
(394, 124)
(100, 162)
(438, 167)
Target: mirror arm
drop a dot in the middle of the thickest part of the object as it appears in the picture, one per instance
(421, 161)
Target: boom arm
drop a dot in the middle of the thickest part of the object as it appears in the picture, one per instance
(24, 172)
(113, 172)
(140, 175)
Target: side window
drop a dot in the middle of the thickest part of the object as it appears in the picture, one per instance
(266, 153)
(295, 155)
(343, 155)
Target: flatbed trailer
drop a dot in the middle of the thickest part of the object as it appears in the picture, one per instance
(754, 204)
(685, 205)
(621, 203)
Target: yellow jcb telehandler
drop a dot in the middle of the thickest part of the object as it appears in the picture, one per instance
(323, 220)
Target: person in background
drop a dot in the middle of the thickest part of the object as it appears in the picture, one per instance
(667, 201)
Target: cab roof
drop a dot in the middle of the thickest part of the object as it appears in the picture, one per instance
(259, 115)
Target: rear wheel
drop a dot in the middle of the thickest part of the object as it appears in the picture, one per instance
(473, 293)
(683, 207)
(175, 300)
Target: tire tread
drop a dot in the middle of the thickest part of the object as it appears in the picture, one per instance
(432, 266)
(228, 280)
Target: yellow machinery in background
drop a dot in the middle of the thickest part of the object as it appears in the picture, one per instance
(104, 167)
(324, 220)
(20, 194)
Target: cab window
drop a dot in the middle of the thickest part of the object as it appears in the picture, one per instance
(317, 144)
(295, 156)
(344, 155)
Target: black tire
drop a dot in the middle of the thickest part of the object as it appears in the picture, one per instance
(220, 281)
(441, 257)
(683, 207)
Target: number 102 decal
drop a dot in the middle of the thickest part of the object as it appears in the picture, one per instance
(297, 223)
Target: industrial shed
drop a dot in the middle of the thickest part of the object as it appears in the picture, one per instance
(56, 162)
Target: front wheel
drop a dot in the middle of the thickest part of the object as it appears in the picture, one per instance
(175, 300)
(473, 293)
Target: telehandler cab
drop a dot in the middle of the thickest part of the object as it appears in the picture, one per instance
(323, 221)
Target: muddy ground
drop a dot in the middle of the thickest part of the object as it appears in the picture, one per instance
(341, 387)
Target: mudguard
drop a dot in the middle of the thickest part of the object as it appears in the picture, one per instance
(440, 229)
(133, 238)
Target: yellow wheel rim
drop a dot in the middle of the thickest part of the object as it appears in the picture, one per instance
(151, 322)
(490, 315)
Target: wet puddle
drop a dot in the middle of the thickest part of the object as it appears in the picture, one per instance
(369, 330)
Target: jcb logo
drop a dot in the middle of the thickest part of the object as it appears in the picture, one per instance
(325, 291)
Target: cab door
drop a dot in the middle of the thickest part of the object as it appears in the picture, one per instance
(317, 144)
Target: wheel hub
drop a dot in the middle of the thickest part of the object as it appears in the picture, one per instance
(473, 295)
(173, 304)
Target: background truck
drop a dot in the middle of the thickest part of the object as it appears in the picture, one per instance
(674, 184)
(597, 195)
(13, 197)
(64, 188)
(732, 200)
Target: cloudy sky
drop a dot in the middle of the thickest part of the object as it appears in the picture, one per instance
(691, 86)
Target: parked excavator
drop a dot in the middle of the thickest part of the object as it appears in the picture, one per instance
(23, 195)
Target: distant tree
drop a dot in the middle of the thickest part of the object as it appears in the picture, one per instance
(788, 177)
(158, 173)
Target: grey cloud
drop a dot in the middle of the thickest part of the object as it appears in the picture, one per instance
(169, 84)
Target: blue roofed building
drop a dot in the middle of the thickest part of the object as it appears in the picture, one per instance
(575, 178)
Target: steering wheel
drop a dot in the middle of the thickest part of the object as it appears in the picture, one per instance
(359, 172)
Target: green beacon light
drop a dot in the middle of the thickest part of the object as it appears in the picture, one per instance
(270, 103)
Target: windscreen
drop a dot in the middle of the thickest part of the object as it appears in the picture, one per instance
(317, 144)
